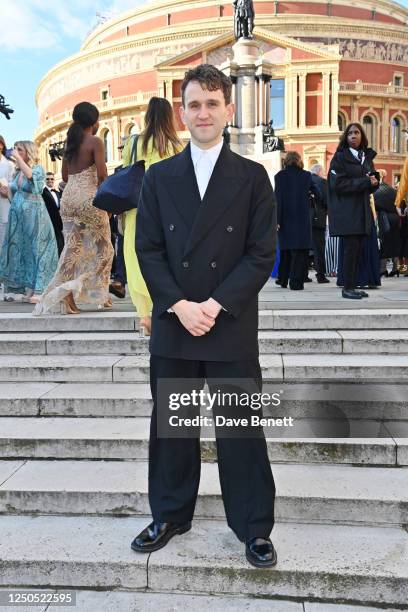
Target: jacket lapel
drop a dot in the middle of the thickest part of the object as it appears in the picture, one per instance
(183, 189)
(223, 188)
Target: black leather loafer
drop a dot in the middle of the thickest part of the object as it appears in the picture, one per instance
(362, 293)
(156, 536)
(261, 553)
(322, 278)
(351, 294)
(117, 289)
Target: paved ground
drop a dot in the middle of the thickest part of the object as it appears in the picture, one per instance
(392, 294)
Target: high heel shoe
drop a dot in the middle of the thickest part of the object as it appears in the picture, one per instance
(394, 272)
(69, 305)
(106, 305)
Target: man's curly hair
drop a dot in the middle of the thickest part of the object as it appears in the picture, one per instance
(209, 78)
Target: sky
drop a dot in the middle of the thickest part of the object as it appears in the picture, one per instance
(35, 35)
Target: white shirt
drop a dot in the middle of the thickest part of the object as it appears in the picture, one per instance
(204, 161)
(54, 195)
(355, 153)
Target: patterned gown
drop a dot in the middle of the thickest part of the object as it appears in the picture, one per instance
(85, 263)
(29, 253)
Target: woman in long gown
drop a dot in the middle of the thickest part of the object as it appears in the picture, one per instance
(158, 141)
(29, 253)
(84, 268)
(6, 176)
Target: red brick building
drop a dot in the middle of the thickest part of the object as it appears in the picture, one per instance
(329, 63)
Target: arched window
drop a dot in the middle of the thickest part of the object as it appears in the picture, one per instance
(396, 133)
(370, 127)
(134, 130)
(107, 143)
(341, 121)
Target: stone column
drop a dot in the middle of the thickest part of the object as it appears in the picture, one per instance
(294, 102)
(245, 56)
(234, 100)
(169, 88)
(259, 100)
(302, 100)
(385, 120)
(334, 100)
(354, 109)
(288, 95)
(326, 99)
(267, 92)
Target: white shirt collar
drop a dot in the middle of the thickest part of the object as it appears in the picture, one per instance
(355, 153)
(213, 153)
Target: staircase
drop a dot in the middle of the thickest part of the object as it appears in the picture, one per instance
(74, 421)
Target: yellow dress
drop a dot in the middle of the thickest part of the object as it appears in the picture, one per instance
(402, 193)
(137, 287)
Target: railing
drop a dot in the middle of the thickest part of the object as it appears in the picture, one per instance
(373, 89)
(137, 99)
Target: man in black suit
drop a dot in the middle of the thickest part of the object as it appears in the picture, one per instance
(206, 241)
(52, 199)
(319, 223)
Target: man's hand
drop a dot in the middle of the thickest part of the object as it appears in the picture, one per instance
(373, 180)
(192, 317)
(211, 308)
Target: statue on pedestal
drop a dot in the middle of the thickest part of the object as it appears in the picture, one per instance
(243, 18)
(270, 141)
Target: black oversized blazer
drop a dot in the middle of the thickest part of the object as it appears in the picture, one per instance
(223, 247)
(349, 193)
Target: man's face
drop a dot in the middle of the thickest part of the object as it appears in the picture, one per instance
(205, 114)
(50, 181)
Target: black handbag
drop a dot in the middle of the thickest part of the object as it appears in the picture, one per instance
(120, 191)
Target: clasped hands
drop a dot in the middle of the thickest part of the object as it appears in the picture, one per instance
(197, 318)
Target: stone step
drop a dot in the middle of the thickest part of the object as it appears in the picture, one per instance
(350, 563)
(290, 368)
(86, 321)
(296, 368)
(277, 319)
(274, 341)
(305, 493)
(350, 400)
(360, 318)
(126, 438)
(132, 601)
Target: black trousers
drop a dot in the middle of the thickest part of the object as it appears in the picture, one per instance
(352, 252)
(247, 485)
(293, 267)
(319, 240)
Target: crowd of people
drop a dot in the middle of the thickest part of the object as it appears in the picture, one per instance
(353, 222)
(59, 251)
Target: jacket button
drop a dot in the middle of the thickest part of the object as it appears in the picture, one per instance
(213, 264)
(185, 264)
(171, 228)
(230, 228)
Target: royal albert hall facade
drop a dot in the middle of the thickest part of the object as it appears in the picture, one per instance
(331, 62)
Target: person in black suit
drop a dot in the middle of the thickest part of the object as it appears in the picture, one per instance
(206, 242)
(351, 180)
(319, 223)
(52, 199)
(293, 187)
